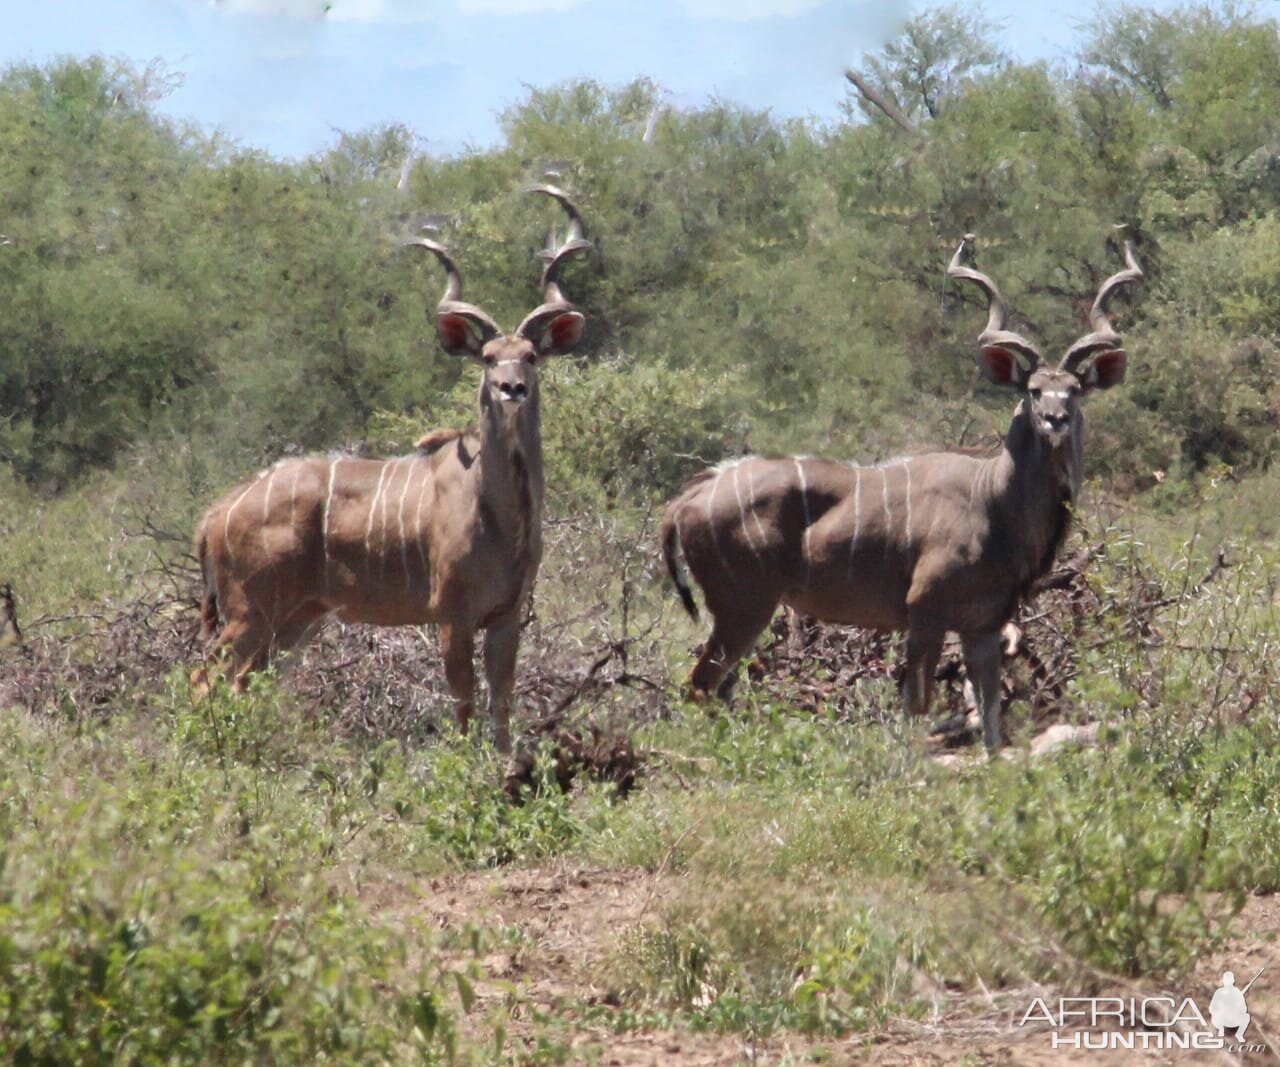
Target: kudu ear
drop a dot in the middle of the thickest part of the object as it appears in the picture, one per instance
(1001, 366)
(562, 334)
(457, 336)
(1106, 370)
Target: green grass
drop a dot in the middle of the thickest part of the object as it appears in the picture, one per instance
(189, 883)
(180, 881)
(858, 876)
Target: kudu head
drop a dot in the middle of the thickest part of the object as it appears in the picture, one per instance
(1052, 394)
(509, 384)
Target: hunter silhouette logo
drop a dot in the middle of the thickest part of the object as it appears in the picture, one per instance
(1227, 1009)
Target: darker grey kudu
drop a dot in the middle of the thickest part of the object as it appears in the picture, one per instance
(927, 544)
(451, 534)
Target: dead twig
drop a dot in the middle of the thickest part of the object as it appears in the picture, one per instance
(666, 862)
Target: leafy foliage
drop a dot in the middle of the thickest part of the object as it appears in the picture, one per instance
(178, 916)
(155, 281)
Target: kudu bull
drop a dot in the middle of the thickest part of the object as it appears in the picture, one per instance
(931, 543)
(451, 534)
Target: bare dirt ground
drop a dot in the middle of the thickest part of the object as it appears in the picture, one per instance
(553, 931)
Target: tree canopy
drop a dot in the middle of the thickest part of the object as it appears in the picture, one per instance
(780, 283)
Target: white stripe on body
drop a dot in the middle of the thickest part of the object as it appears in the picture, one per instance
(422, 552)
(742, 515)
(368, 528)
(328, 507)
(404, 545)
(266, 508)
(906, 530)
(226, 522)
(751, 492)
(804, 500)
(980, 487)
(390, 465)
(711, 529)
(293, 497)
(857, 515)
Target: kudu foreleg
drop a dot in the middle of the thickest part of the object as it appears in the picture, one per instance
(500, 646)
(924, 646)
(458, 643)
(982, 655)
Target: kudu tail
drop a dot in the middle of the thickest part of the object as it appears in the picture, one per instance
(672, 550)
(208, 602)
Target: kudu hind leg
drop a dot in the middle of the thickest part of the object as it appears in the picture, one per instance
(733, 634)
(295, 632)
(982, 654)
(249, 644)
(241, 648)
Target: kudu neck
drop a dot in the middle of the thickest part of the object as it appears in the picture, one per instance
(1033, 492)
(511, 453)
(1034, 463)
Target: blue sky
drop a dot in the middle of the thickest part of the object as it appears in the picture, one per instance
(284, 75)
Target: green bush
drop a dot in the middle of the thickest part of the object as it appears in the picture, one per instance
(163, 917)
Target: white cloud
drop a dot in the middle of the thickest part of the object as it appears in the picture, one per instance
(388, 11)
(514, 7)
(392, 11)
(404, 11)
(295, 9)
(745, 10)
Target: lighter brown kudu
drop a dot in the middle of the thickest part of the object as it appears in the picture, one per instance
(451, 534)
(926, 544)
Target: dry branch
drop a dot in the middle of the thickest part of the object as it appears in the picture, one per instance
(879, 100)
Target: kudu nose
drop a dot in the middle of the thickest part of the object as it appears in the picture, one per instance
(513, 390)
(1057, 420)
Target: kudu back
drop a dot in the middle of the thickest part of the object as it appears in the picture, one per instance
(929, 544)
(450, 534)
